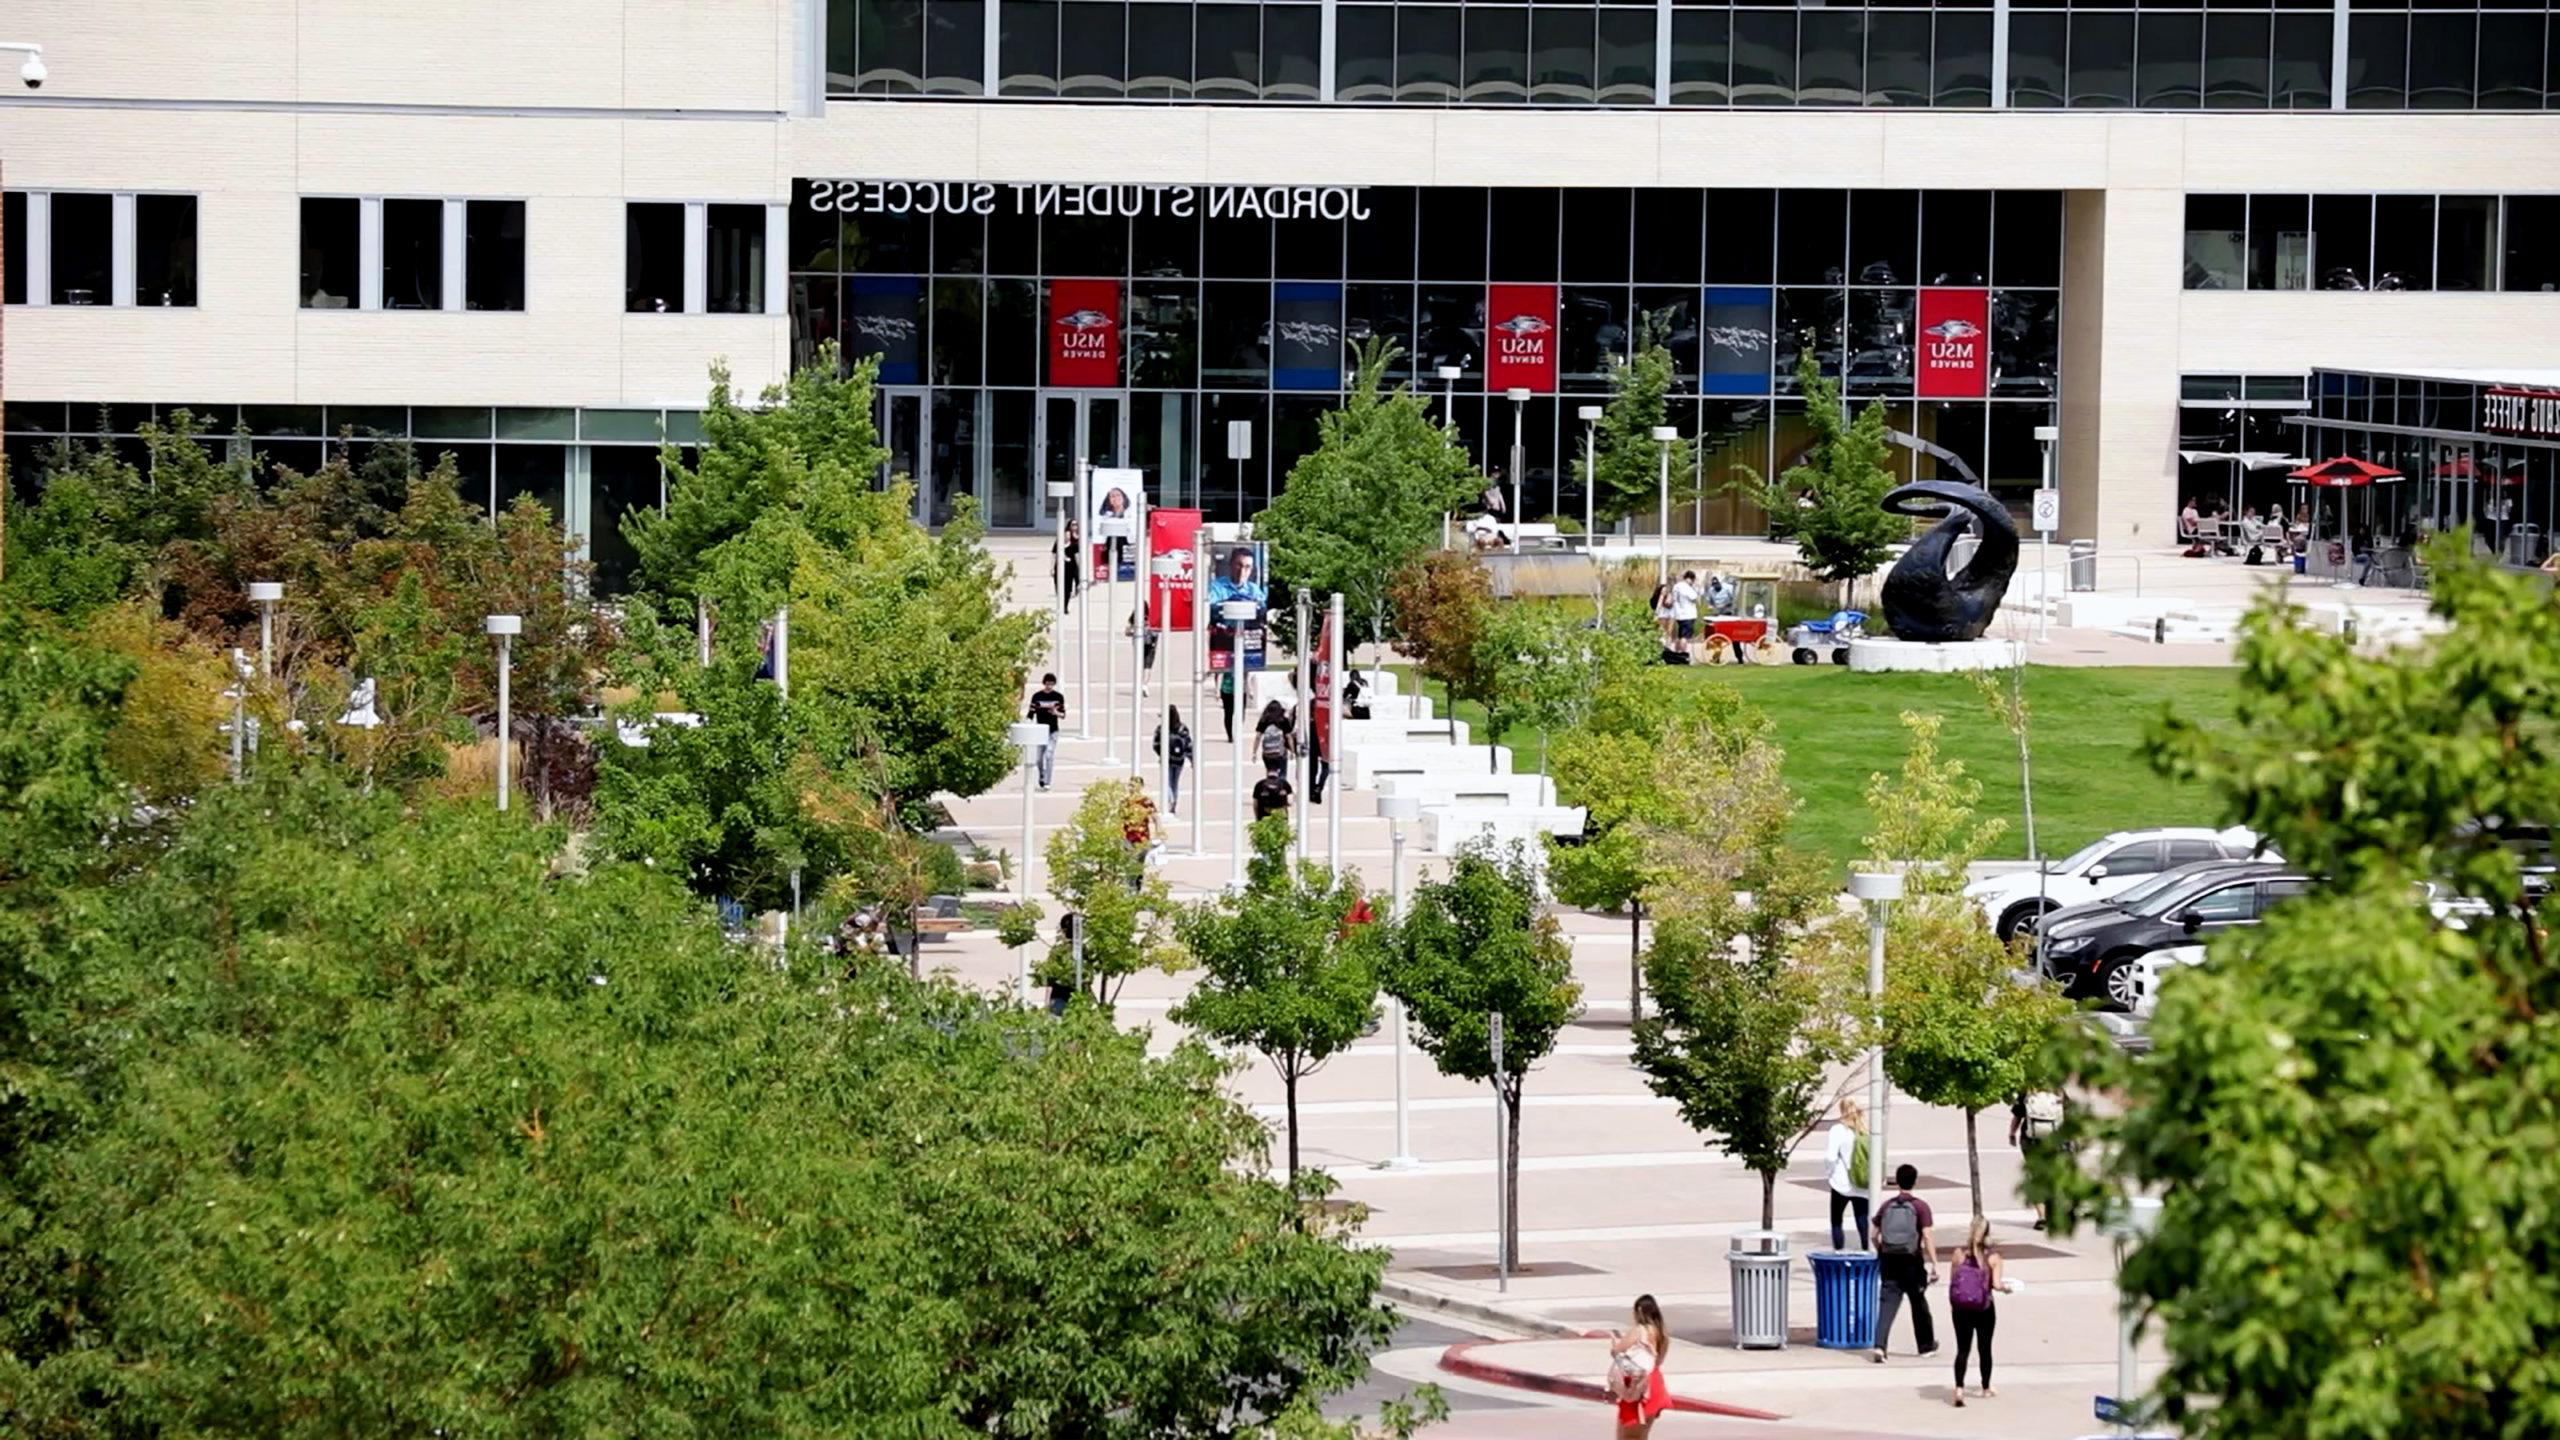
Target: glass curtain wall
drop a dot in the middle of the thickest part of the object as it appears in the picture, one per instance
(1223, 320)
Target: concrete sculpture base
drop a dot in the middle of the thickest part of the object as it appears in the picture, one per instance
(1881, 654)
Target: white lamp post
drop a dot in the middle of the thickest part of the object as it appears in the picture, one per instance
(266, 593)
(239, 712)
(1062, 490)
(1878, 889)
(1663, 435)
(1590, 417)
(1028, 736)
(1237, 614)
(1397, 809)
(1448, 392)
(504, 628)
(2129, 1228)
(1518, 395)
(1168, 569)
(2045, 436)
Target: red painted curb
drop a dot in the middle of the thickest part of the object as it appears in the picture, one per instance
(1459, 1360)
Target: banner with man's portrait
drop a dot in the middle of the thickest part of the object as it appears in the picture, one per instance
(1237, 572)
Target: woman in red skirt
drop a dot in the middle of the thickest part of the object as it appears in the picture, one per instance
(1651, 1337)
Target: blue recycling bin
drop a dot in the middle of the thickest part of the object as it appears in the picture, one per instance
(1844, 1299)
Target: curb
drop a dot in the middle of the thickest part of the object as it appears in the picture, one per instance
(1460, 1360)
(1414, 1297)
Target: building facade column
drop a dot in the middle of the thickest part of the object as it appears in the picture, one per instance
(2122, 252)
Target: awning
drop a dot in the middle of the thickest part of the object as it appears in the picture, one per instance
(2247, 459)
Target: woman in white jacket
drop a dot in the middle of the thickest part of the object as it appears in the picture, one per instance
(1845, 1161)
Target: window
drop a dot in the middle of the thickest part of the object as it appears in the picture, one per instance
(1626, 57)
(2279, 242)
(2302, 61)
(2169, 75)
(2101, 60)
(2188, 852)
(733, 249)
(2466, 242)
(2230, 905)
(2142, 857)
(2442, 48)
(2036, 50)
(2237, 49)
(1701, 57)
(329, 249)
(2511, 61)
(164, 259)
(2533, 243)
(653, 258)
(1562, 44)
(1426, 54)
(2342, 241)
(1497, 55)
(2377, 62)
(413, 254)
(1898, 57)
(83, 249)
(1364, 65)
(2216, 226)
(2404, 242)
(13, 245)
(493, 255)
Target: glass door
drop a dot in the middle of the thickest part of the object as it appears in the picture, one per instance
(1090, 425)
(903, 415)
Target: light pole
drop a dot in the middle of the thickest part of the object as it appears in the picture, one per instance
(1302, 669)
(782, 651)
(1590, 417)
(1449, 392)
(1663, 435)
(2045, 436)
(1518, 395)
(1167, 570)
(1061, 490)
(239, 712)
(1237, 614)
(1397, 809)
(1333, 734)
(1084, 617)
(1879, 889)
(504, 629)
(2129, 1228)
(1027, 737)
(1138, 641)
(1199, 668)
(266, 593)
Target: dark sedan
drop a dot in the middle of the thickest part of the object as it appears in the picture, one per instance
(2090, 951)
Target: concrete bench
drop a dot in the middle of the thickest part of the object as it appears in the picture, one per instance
(1375, 731)
(1367, 764)
(1451, 788)
(1452, 827)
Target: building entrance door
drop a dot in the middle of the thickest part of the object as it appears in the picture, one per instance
(905, 418)
(1091, 425)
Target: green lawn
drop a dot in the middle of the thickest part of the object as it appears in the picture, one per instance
(1839, 728)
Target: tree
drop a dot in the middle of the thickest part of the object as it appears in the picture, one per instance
(1100, 875)
(1839, 525)
(1367, 500)
(1443, 604)
(1284, 970)
(1472, 946)
(1547, 668)
(1954, 1028)
(419, 1128)
(1630, 459)
(1743, 1036)
(2346, 1111)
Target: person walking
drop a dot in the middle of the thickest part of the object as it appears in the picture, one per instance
(1684, 609)
(2033, 1117)
(1271, 794)
(1638, 1352)
(1049, 707)
(1319, 764)
(1173, 745)
(1845, 1159)
(1067, 566)
(1662, 615)
(1974, 1282)
(1227, 701)
(1905, 1264)
(1274, 737)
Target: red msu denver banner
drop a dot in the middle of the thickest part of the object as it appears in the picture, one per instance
(1953, 357)
(1084, 333)
(1520, 338)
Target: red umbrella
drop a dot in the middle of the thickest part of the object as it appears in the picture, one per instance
(2343, 471)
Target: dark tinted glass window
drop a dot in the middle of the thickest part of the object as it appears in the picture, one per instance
(164, 259)
(2342, 242)
(955, 47)
(2466, 241)
(1831, 48)
(1164, 335)
(2026, 238)
(1497, 56)
(2217, 242)
(83, 249)
(2170, 74)
(1562, 43)
(1364, 57)
(2279, 242)
(2026, 343)
(1227, 59)
(2302, 61)
(1596, 235)
(1812, 234)
(1962, 74)
(2236, 61)
(1594, 320)
(1013, 241)
(2101, 60)
(1809, 319)
(1308, 249)
(959, 324)
(733, 257)
(2404, 242)
(493, 255)
(960, 243)
(1669, 245)
(13, 245)
(1764, 57)
(1427, 54)
(1384, 312)
(1013, 329)
(412, 254)
(1291, 46)
(1739, 236)
(2038, 41)
(1233, 321)
(1879, 341)
(1955, 237)
(1159, 52)
(1626, 57)
(888, 46)
(1382, 245)
(1898, 57)
(1093, 57)
(1089, 245)
(1701, 57)
(2377, 61)
(1453, 233)
(1231, 245)
(2533, 243)
(1524, 234)
(2511, 61)
(652, 257)
(1027, 47)
(1884, 237)
(2441, 51)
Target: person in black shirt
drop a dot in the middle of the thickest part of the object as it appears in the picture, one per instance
(1049, 707)
(1271, 795)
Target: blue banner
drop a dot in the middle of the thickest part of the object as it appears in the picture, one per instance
(1734, 340)
(1306, 336)
(884, 316)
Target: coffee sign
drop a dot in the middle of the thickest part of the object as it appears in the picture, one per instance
(2534, 414)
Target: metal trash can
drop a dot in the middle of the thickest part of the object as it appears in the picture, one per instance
(2082, 571)
(1844, 1299)
(2524, 546)
(1759, 1262)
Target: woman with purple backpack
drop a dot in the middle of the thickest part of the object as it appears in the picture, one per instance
(1972, 1285)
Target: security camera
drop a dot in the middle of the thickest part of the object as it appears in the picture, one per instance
(33, 72)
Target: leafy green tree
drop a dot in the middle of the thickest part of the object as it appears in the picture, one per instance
(1630, 459)
(1100, 875)
(1472, 946)
(1830, 502)
(417, 1128)
(2346, 1113)
(1367, 500)
(1283, 969)
(1548, 667)
(1743, 1036)
(1443, 603)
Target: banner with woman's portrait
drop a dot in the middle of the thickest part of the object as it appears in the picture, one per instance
(1237, 571)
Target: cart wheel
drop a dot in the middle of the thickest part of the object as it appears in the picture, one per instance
(1804, 656)
(1840, 656)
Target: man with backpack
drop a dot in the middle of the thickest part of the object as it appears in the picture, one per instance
(1271, 795)
(2033, 1117)
(1904, 1255)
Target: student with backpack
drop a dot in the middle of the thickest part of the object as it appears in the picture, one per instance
(1271, 795)
(1904, 1261)
(1973, 1283)
(1635, 1371)
(1175, 757)
(1274, 737)
(2033, 1117)
(1845, 1163)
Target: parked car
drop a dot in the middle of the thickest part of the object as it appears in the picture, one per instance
(2147, 971)
(2014, 902)
(2092, 954)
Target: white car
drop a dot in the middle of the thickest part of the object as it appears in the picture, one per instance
(2099, 870)
(2147, 971)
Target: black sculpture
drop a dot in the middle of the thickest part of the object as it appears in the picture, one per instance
(1921, 600)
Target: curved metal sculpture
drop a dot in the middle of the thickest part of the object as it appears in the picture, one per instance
(1921, 600)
